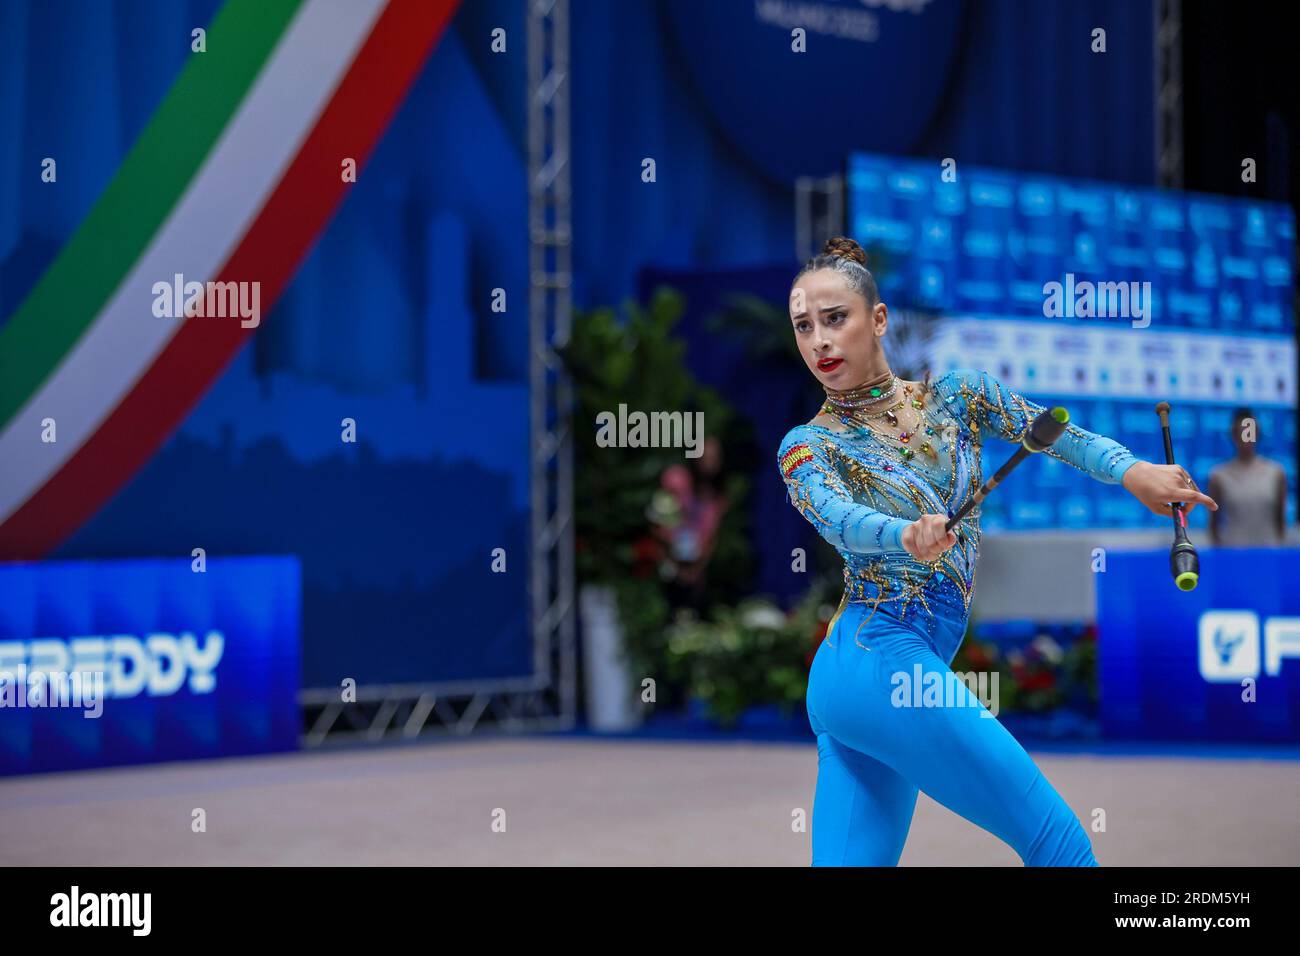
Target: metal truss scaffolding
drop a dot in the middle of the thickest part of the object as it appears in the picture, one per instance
(1169, 93)
(818, 213)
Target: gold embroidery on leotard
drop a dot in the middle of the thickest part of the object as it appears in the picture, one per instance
(867, 466)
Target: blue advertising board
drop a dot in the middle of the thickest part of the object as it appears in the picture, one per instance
(137, 661)
(1218, 663)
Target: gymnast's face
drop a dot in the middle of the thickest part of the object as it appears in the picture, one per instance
(837, 333)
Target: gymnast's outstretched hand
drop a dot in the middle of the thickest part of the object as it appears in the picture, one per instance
(925, 539)
(1157, 485)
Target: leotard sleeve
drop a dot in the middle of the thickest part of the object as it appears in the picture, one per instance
(820, 494)
(992, 410)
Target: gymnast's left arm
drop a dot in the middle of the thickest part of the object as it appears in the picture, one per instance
(997, 410)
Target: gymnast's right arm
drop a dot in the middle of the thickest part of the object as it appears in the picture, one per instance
(820, 494)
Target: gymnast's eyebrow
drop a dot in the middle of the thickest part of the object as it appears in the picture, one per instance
(829, 308)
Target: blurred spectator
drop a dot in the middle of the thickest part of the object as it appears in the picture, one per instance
(1250, 490)
(686, 513)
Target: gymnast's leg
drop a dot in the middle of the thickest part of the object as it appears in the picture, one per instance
(862, 809)
(970, 764)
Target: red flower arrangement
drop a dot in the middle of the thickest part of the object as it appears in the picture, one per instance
(1039, 680)
(818, 635)
(646, 554)
(978, 656)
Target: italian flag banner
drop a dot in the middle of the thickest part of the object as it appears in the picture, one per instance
(232, 179)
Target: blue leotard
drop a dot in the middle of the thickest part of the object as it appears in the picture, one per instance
(854, 488)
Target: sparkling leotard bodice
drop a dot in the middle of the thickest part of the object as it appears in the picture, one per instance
(859, 494)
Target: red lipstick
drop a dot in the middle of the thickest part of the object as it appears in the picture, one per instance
(829, 364)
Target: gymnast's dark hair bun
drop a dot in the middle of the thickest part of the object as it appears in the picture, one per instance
(841, 254)
(845, 248)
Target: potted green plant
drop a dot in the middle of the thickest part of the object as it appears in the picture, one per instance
(630, 563)
(751, 656)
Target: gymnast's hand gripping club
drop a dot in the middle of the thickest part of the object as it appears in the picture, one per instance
(1183, 562)
(1041, 433)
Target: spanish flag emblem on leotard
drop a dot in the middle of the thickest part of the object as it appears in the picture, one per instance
(795, 457)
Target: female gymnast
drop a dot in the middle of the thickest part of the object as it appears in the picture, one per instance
(878, 472)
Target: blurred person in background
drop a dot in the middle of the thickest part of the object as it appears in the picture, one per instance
(686, 513)
(1251, 490)
(877, 472)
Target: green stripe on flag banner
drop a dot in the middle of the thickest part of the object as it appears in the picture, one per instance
(135, 204)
